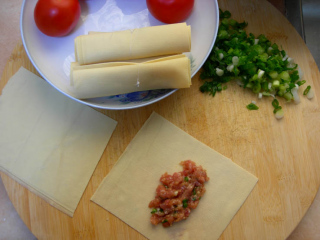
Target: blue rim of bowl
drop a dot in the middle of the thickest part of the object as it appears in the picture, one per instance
(111, 108)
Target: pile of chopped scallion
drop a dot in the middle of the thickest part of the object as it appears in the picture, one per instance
(254, 63)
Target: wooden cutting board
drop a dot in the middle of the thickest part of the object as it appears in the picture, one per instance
(283, 154)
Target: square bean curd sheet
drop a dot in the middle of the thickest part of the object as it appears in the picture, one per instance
(50, 143)
(157, 148)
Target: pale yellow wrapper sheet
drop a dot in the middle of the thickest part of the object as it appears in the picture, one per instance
(131, 44)
(112, 78)
(159, 147)
(49, 143)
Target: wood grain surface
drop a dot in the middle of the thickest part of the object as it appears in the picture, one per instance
(283, 154)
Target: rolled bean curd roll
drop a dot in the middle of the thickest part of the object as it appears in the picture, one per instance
(133, 44)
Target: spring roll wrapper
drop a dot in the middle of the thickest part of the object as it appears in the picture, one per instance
(133, 44)
(113, 78)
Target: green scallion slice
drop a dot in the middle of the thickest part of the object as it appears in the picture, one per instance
(306, 91)
(275, 103)
(252, 106)
(185, 203)
(194, 191)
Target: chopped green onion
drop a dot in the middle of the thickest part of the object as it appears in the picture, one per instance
(276, 109)
(252, 106)
(284, 75)
(224, 14)
(305, 92)
(194, 192)
(288, 96)
(273, 74)
(275, 103)
(185, 203)
(219, 72)
(301, 82)
(254, 62)
(186, 179)
(164, 221)
(153, 211)
(256, 88)
(279, 114)
(276, 84)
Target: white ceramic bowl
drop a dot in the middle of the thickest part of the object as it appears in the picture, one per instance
(51, 56)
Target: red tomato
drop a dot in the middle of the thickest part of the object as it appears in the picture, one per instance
(56, 18)
(170, 11)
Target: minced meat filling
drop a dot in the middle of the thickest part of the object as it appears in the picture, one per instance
(178, 194)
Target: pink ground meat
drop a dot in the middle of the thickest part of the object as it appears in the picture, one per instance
(178, 194)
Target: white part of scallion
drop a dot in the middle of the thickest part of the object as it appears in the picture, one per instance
(230, 68)
(254, 102)
(256, 41)
(260, 95)
(269, 85)
(235, 60)
(285, 57)
(310, 94)
(291, 63)
(300, 72)
(221, 56)
(279, 114)
(219, 72)
(260, 73)
(268, 94)
(276, 83)
(295, 95)
(290, 60)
